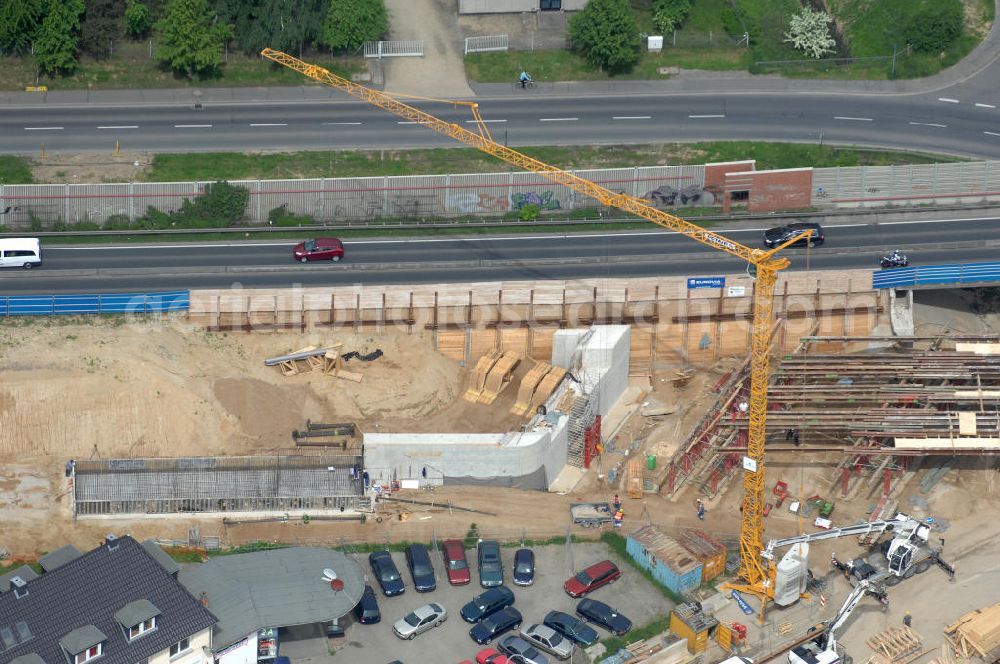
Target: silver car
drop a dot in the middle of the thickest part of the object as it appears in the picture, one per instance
(515, 646)
(420, 620)
(545, 638)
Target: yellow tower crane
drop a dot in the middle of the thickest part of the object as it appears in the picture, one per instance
(756, 579)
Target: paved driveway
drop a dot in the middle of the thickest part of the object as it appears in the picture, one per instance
(376, 644)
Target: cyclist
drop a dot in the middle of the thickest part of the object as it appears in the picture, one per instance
(524, 78)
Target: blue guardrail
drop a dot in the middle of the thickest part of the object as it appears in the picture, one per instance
(105, 303)
(931, 275)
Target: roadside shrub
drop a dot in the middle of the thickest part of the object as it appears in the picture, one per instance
(936, 26)
(221, 202)
(472, 537)
(607, 34)
(117, 222)
(529, 212)
(280, 216)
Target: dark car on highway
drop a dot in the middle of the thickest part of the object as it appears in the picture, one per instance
(455, 562)
(367, 611)
(490, 565)
(483, 605)
(781, 234)
(419, 562)
(524, 567)
(386, 573)
(592, 578)
(601, 614)
(495, 624)
(572, 628)
(320, 249)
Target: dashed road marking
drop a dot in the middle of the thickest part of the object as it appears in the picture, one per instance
(707, 116)
(341, 123)
(119, 127)
(985, 105)
(631, 117)
(948, 100)
(42, 128)
(929, 124)
(189, 126)
(557, 119)
(847, 117)
(268, 124)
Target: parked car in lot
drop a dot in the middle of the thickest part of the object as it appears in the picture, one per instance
(419, 562)
(524, 567)
(455, 562)
(572, 628)
(420, 620)
(491, 656)
(515, 647)
(781, 234)
(497, 623)
(319, 249)
(601, 614)
(386, 573)
(490, 565)
(483, 605)
(592, 578)
(545, 638)
(366, 611)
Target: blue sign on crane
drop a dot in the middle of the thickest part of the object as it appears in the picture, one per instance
(742, 602)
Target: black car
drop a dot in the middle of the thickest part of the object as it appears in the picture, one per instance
(367, 611)
(601, 614)
(495, 624)
(483, 605)
(781, 234)
(524, 567)
(419, 562)
(386, 573)
(490, 565)
(572, 628)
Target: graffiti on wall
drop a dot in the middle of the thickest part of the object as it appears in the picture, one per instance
(472, 202)
(693, 194)
(545, 200)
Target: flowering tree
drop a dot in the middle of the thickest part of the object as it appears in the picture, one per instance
(809, 31)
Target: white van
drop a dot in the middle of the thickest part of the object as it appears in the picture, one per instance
(23, 252)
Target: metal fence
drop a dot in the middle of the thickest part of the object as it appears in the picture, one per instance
(936, 275)
(394, 49)
(486, 43)
(107, 303)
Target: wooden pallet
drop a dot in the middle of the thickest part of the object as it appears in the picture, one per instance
(896, 645)
(477, 379)
(291, 367)
(526, 389)
(499, 377)
(333, 365)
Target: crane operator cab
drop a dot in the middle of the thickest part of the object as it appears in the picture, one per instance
(813, 652)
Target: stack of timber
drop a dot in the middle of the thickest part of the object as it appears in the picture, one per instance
(945, 656)
(896, 645)
(327, 359)
(976, 634)
(477, 380)
(499, 377)
(633, 478)
(527, 388)
(545, 389)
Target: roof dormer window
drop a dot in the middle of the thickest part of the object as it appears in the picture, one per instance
(93, 652)
(135, 631)
(84, 644)
(137, 618)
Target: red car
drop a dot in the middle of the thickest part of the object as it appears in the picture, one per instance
(455, 562)
(592, 578)
(320, 249)
(491, 656)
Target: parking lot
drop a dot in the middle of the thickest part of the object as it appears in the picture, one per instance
(632, 595)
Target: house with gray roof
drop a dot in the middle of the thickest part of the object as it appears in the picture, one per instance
(116, 604)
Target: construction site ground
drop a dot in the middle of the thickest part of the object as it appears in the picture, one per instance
(167, 388)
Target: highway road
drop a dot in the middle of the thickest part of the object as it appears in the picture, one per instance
(128, 267)
(966, 125)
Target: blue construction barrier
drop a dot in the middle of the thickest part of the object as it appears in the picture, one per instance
(105, 303)
(933, 275)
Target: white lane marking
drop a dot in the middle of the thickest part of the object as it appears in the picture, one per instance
(120, 127)
(948, 100)
(557, 119)
(631, 117)
(268, 124)
(516, 238)
(985, 105)
(929, 124)
(991, 133)
(847, 117)
(484, 121)
(42, 128)
(410, 122)
(706, 116)
(190, 126)
(341, 123)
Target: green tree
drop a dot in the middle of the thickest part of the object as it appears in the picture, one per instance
(935, 26)
(242, 15)
(19, 20)
(669, 14)
(288, 25)
(102, 24)
(350, 23)
(56, 42)
(137, 19)
(191, 40)
(607, 34)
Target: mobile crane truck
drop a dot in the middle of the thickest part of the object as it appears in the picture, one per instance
(825, 649)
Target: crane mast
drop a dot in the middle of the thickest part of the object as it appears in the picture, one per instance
(767, 267)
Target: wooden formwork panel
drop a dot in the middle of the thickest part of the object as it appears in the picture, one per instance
(451, 344)
(670, 343)
(482, 342)
(515, 339)
(734, 337)
(696, 332)
(541, 343)
(642, 349)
